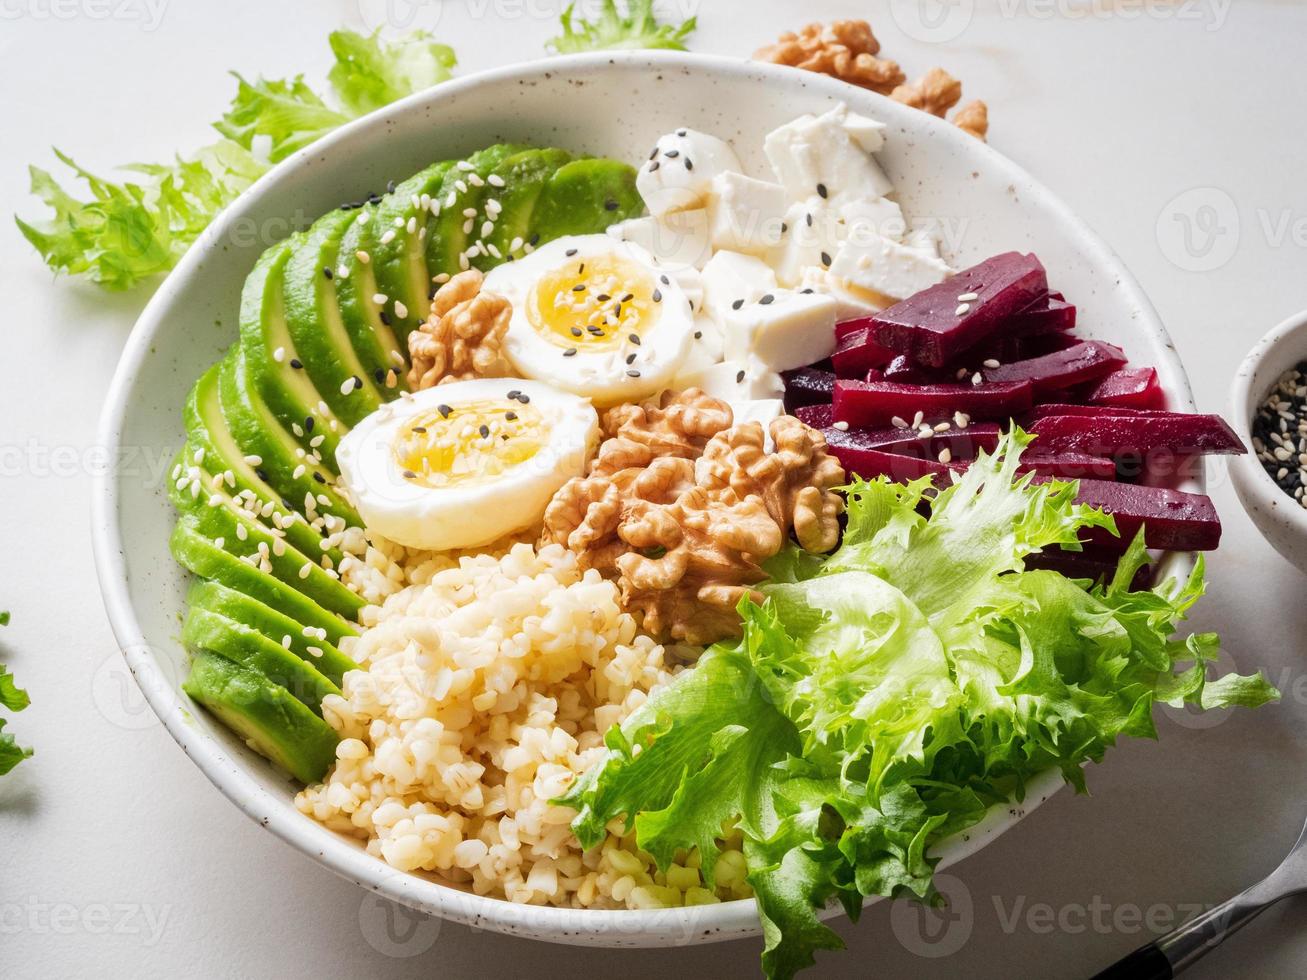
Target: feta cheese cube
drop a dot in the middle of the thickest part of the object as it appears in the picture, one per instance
(705, 348)
(850, 302)
(884, 266)
(733, 381)
(782, 330)
(679, 173)
(865, 131)
(872, 218)
(746, 215)
(817, 154)
(813, 230)
(680, 238)
(730, 278)
(764, 411)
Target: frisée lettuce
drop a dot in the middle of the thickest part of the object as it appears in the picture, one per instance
(884, 698)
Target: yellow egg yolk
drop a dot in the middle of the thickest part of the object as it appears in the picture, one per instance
(598, 303)
(469, 443)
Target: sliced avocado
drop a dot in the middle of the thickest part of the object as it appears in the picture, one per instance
(314, 322)
(584, 198)
(266, 716)
(258, 432)
(275, 365)
(447, 242)
(196, 552)
(524, 176)
(369, 326)
(207, 430)
(214, 514)
(400, 227)
(248, 611)
(212, 632)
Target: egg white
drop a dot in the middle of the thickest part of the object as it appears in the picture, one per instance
(627, 372)
(478, 511)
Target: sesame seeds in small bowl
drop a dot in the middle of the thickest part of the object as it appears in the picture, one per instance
(1268, 408)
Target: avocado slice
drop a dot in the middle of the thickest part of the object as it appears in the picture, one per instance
(584, 197)
(314, 322)
(216, 515)
(524, 177)
(275, 365)
(370, 328)
(215, 633)
(207, 431)
(248, 611)
(447, 241)
(266, 716)
(194, 551)
(399, 256)
(257, 431)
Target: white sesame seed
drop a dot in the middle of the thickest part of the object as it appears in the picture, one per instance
(317, 440)
(285, 641)
(342, 270)
(945, 455)
(962, 373)
(279, 354)
(381, 299)
(398, 222)
(475, 180)
(977, 378)
(219, 542)
(468, 225)
(388, 237)
(363, 256)
(298, 429)
(496, 180)
(314, 651)
(991, 363)
(298, 472)
(486, 228)
(916, 420)
(898, 422)
(241, 533)
(460, 187)
(842, 426)
(962, 308)
(464, 166)
(968, 297)
(440, 278)
(942, 427)
(347, 386)
(401, 310)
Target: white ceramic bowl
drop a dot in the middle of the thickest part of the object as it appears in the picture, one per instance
(607, 104)
(1282, 521)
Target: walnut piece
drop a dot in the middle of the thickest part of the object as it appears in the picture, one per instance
(973, 118)
(937, 92)
(845, 49)
(675, 424)
(795, 480)
(463, 336)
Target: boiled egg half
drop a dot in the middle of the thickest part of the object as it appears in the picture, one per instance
(595, 316)
(463, 464)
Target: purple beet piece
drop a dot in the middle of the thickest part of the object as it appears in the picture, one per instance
(867, 404)
(1138, 434)
(1128, 388)
(904, 369)
(856, 353)
(1076, 564)
(1172, 520)
(1090, 411)
(1068, 466)
(1045, 315)
(961, 443)
(807, 386)
(817, 416)
(870, 463)
(1085, 361)
(935, 325)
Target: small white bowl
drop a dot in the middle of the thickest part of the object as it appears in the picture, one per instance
(612, 103)
(1280, 518)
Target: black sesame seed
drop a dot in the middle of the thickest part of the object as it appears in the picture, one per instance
(484, 430)
(681, 132)
(653, 153)
(326, 272)
(785, 228)
(806, 292)
(652, 167)
(825, 258)
(634, 338)
(579, 288)
(630, 358)
(358, 382)
(597, 331)
(821, 191)
(627, 298)
(580, 270)
(390, 187)
(576, 331)
(610, 205)
(670, 154)
(570, 252)
(410, 475)
(524, 399)
(570, 352)
(698, 335)
(510, 416)
(512, 395)
(767, 300)
(535, 240)
(632, 373)
(739, 377)
(262, 474)
(319, 477)
(420, 429)
(809, 219)
(738, 304)
(379, 376)
(689, 164)
(664, 280)
(657, 296)
(296, 363)
(617, 310)
(308, 423)
(603, 298)
(444, 411)
(384, 317)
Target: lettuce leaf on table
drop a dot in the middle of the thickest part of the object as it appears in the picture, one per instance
(611, 31)
(885, 697)
(132, 230)
(14, 698)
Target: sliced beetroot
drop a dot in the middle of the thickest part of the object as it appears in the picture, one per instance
(1172, 520)
(962, 444)
(1090, 411)
(1077, 564)
(1136, 435)
(904, 369)
(868, 404)
(846, 327)
(936, 325)
(871, 463)
(1085, 361)
(808, 386)
(856, 353)
(817, 416)
(1045, 315)
(1068, 466)
(1128, 388)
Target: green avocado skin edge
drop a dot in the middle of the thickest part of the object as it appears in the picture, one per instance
(324, 320)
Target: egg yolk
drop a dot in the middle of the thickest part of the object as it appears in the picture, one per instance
(467, 444)
(598, 303)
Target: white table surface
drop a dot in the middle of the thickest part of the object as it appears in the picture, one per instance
(117, 858)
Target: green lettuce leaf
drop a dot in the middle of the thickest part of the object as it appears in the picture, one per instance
(886, 697)
(125, 232)
(611, 31)
(14, 698)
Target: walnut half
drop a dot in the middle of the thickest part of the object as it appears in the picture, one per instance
(844, 49)
(463, 337)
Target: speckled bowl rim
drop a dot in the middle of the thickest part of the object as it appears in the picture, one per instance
(586, 927)
(1256, 489)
